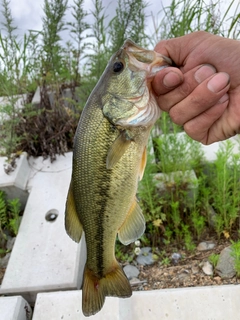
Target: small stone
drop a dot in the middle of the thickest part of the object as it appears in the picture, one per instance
(225, 266)
(205, 245)
(145, 257)
(175, 257)
(10, 243)
(131, 271)
(135, 282)
(195, 269)
(146, 250)
(4, 261)
(183, 275)
(217, 279)
(207, 268)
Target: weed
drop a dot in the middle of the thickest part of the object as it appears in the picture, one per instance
(9, 215)
(225, 185)
(236, 255)
(213, 259)
(165, 261)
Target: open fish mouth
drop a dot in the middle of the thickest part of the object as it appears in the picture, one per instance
(143, 59)
(149, 61)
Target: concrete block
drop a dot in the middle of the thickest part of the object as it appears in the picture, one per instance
(44, 258)
(66, 96)
(199, 303)
(17, 100)
(168, 181)
(68, 305)
(14, 308)
(15, 183)
(37, 97)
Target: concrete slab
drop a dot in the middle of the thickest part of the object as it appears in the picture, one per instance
(166, 181)
(37, 97)
(44, 258)
(14, 308)
(68, 305)
(15, 183)
(200, 303)
(17, 100)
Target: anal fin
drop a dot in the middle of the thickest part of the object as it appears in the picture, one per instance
(73, 225)
(133, 226)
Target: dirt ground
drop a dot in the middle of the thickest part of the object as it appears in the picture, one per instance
(187, 272)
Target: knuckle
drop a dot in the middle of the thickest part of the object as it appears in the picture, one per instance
(185, 89)
(164, 104)
(176, 115)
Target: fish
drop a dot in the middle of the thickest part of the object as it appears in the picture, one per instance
(109, 158)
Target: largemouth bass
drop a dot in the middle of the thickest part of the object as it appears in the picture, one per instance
(109, 159)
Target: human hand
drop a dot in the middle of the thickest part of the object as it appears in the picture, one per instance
(203, 95)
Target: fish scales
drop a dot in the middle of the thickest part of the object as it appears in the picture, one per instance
(109, 158)
(102, 191)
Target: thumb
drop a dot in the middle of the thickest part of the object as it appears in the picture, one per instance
(179, 49)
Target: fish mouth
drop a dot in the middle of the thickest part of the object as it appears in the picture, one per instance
(149, 61)
(143, 59)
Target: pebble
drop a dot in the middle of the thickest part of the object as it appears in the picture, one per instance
(4, 260)
(131, 271)
(175, 257)
(206, 245)
(183, 275)
(145, 257)
(217, 279)
(10, 243)
(225, 266)
(195, 269)
(207, 268)
(136, 282)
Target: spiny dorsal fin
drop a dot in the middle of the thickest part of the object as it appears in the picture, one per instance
(118, 148)
(73, 225)
(133, 226)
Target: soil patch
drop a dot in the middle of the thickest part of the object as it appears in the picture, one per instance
(186, 273)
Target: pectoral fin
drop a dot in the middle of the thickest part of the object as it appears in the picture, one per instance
(133, 226)
(73, 225)
(143, 163)
(118, 148)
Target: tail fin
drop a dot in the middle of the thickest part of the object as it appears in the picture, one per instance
(95, 290)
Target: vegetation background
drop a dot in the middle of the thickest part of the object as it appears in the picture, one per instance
(44, 60)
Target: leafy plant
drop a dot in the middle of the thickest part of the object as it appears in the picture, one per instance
(235, 246)
(225, 183)
(9, 214)
(9, 219)
(184, 16)
(213, 259)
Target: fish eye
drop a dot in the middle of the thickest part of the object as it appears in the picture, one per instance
(118, 67)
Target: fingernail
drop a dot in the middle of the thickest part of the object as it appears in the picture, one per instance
(172, 79)
(204, 72)
(224, 98)
(218, 82)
